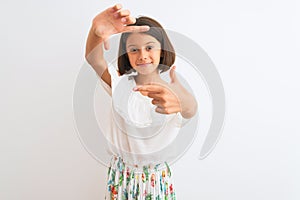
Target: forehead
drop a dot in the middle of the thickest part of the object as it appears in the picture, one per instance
(140, 39)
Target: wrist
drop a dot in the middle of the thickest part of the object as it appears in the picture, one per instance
(188, 106)
(93, 42)
(95, 35)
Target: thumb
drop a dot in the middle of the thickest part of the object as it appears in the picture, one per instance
(106, 44)
(173, 75)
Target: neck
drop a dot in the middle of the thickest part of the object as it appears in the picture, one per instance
(142, 79)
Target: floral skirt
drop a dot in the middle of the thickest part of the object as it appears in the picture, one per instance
(128, 182)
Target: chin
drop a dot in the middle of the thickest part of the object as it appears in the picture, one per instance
(146, 72)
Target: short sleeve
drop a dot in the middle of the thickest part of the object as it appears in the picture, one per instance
(115, 78)
(114, 81)
(106, 87)
(181, 120)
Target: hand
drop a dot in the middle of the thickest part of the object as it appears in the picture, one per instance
(164, 96)
(170, 98)
(112, 21)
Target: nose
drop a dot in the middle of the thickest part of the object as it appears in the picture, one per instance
(143, 54)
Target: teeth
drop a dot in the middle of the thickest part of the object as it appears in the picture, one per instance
(144, 64)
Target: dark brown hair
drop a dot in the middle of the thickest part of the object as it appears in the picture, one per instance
(156, 30)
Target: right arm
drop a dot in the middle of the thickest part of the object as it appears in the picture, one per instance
(111, 21)
(94, 56)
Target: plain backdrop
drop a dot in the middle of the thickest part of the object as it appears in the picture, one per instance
(255, 46)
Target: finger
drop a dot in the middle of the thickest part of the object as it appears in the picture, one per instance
(150, 88)
(160, 110)
(173, 74)
(128, 20)
(144, 93)
(156, 102)
(157, 96)
(122, 13)
(135, 29)
(116, 7)
(106, 44)
(169, 110)
(163, 104)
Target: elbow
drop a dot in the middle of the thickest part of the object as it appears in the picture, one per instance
(190, 111)
(88, 58)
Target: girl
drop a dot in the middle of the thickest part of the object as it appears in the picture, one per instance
(145, 49)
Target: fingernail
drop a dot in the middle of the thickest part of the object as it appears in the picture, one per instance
(123, 20)
(135, 89)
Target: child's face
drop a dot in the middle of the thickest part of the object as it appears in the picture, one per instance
(143, 52)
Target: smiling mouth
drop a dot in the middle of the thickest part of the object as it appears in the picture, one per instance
(144, 64)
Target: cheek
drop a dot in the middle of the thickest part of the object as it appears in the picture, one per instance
(132, 59)
(156, 57)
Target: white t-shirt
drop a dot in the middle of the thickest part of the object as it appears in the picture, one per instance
(131, 127)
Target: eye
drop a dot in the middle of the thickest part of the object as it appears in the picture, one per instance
(133, 50)
(148, 48)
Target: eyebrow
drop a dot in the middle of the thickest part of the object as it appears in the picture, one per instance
(144, 44)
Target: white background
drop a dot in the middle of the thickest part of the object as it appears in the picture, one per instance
(254, 45)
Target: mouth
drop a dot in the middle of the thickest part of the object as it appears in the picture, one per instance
(144, 64)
